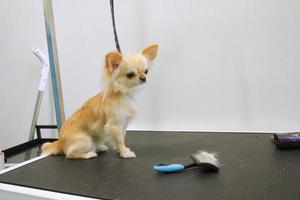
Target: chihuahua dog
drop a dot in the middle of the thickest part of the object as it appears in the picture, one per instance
(107, 114)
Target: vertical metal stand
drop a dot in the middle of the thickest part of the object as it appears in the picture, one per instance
(54, 64)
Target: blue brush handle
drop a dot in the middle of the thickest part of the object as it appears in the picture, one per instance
(168, 168)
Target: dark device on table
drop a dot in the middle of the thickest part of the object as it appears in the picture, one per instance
(287, 140)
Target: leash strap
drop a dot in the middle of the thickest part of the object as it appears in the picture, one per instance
(114, 25)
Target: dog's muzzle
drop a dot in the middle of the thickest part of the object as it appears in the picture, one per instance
(143, 78)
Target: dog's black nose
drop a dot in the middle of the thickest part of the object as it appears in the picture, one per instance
(143, 78)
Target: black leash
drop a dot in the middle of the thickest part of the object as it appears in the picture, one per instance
(114, 25)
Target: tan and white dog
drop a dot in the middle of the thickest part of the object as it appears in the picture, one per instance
(107, 114)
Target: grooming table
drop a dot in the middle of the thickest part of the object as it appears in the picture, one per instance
(252, 168)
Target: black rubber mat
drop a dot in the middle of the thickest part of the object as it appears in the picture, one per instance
(252, 168)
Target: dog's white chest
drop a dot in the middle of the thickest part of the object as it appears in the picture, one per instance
(126, 107)
(125, 110)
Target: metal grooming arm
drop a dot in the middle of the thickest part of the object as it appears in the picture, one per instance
(43, 81)
(54, 64)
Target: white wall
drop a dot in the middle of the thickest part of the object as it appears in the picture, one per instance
(223, 65)
(21, 26)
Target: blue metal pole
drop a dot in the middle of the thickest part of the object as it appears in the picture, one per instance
(54, 64)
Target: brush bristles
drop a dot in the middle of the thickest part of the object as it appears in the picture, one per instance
(206, 157)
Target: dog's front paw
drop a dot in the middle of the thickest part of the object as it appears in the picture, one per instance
(90, 155)
(102, 148)
(127, 154)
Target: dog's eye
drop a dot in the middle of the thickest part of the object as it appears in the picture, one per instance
(146, 72)
(130, 75)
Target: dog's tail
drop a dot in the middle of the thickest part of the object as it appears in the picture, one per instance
(55, 148)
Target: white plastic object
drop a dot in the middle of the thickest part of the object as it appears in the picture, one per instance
(2, 166)
(9, 165)
(45, 67)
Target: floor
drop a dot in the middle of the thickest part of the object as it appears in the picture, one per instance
(26, 155)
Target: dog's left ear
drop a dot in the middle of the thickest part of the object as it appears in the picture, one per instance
(150, 52)
(112, 61)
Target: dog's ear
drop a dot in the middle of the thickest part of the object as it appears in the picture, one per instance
(150, 52)
(112, 61)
